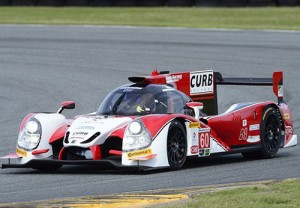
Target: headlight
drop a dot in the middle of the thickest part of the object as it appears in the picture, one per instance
(135, 127)
(30, 136)
(136, 136)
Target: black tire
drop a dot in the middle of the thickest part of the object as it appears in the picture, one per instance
(270, 127)
(176, 145)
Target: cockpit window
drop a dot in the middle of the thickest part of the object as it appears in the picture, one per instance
(150, 99)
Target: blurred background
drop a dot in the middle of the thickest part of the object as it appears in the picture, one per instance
(152, 3)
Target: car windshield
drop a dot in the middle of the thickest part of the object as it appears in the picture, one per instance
(142, 100)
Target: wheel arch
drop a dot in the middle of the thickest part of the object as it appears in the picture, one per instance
(278, 113)
(282, 126)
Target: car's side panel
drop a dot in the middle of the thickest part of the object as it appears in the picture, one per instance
(202, 141)
(239, 127)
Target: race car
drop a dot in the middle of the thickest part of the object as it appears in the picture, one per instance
(157, 121)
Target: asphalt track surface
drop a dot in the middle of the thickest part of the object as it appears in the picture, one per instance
(40, 66)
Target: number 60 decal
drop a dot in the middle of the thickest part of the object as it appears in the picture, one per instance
(204, 140)
(244, 134)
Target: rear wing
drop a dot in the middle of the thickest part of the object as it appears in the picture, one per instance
(202, 86)
(276, 81)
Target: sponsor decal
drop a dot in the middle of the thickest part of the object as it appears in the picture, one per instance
(139, 153)
(129, 89)
(204, 130)
(204, 143)
(173, 78)
(286, 116)
(254, 127)
(80, 133)
(76, 137)
(243, 134)
(86, 127)
(21, 153)
(204, 152)
(194, 135)
(280, 90)
(288, 130)
(244, 122)
(201, 82)
(204, 140)
(253, 139)
(194, 125)
(194, 149)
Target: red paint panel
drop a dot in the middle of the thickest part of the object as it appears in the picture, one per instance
(228, 127)
(96, 151)
(277, 83)
(115, 152)
(41, 151)
(118, 133)
(11, 156)
(204, 140)
(61, 153)
(66, 103)
(58, 134)
(25, 119)
(154, 123)
(195, 104)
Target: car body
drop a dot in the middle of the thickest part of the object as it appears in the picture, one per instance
(157, 121)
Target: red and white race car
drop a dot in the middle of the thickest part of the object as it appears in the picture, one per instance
(157, 121)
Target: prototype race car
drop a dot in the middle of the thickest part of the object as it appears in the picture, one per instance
(157, 121)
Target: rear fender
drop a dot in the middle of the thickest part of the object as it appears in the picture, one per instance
(290, 138)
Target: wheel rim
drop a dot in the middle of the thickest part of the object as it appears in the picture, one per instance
(176, 146)
(272, 133)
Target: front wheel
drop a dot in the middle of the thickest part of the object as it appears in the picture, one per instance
(176, 145)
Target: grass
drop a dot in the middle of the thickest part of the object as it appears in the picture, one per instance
(285, 194)
(235, 18)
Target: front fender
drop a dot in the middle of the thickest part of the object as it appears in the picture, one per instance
(158, 148)
(50, 123)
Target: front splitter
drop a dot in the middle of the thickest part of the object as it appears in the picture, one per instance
(111, 164)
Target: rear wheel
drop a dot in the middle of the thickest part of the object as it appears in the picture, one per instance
(176, 145)
(269, 133)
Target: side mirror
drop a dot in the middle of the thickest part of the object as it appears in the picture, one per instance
(66, 105)
(193, 105)
(197, 107)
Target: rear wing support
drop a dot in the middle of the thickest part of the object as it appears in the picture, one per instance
(276, 82)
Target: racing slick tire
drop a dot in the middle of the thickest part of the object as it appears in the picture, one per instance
(270, 126)
(176, 145)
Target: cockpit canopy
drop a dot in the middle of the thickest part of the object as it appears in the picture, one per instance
(131, 100)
